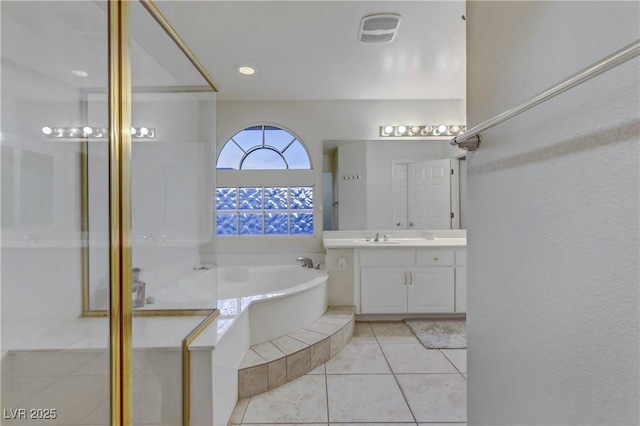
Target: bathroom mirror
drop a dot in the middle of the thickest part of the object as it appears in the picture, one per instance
(373, 185)
(170, 177)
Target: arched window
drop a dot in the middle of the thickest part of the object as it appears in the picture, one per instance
(256, 209)
(263, 147)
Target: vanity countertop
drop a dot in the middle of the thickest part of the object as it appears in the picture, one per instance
(396, 239)
(361, 243)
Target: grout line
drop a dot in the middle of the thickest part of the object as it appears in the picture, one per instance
(451, 362)
(244, 412)
(397, 382)
(326, 389)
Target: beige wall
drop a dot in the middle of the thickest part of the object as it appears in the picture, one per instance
(553, 226)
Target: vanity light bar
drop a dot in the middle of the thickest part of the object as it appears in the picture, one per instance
(94, 132)
(422, 130)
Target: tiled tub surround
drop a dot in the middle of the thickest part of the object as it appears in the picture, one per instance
(273, 363)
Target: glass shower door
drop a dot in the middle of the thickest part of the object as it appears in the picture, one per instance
(55, 360)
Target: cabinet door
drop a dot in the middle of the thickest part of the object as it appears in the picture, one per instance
(461, 289)
(383, 291)
(431, 290)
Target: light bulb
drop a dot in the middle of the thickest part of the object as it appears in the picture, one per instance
(429, 129)
(133, 131)
(87, 130)
(401, 130)
(246, 70)
(47, 130)
(144, 131)
(414, 130)
(454, 129)
(388, 130)
(442, 128)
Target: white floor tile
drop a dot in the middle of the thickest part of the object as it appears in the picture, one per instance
(414, 358)
(435, 397)
(53, 363)
(363, 333)
(366, 398)
(319, 370)
(238, 411)
(376, 424)
(73, 397)
(303, 400)
(393, 332)
(442, 424)
(16, 390)
(359, 359)
(458, 357)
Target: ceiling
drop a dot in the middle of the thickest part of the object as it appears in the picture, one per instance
(308, 50)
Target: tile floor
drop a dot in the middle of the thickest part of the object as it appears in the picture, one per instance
(384, 376)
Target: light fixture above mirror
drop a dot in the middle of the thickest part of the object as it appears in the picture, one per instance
(94, 132)
(414, 130)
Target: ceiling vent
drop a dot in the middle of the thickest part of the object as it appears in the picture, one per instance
(379, 28)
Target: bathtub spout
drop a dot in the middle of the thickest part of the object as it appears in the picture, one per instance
(137, 288)
(305, 262)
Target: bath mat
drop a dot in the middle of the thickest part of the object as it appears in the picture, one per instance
(439, 333)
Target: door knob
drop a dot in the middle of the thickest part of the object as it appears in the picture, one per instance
(410, 223)
(397, 223)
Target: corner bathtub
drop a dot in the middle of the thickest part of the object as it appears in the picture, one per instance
(283, 298)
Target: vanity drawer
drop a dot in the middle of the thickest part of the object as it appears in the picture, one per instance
(434, 258)
(395, 257)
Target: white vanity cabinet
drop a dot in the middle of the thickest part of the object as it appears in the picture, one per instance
(399, 281)
(461, 280)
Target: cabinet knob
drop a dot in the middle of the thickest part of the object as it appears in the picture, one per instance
(436, 258)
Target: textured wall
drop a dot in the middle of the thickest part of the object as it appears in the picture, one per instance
(553, 223)
(314, 122)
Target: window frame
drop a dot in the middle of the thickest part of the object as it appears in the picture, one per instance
(292, 177)
(262, 145)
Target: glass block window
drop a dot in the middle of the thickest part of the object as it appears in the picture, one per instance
(263, 148)
(278, 210)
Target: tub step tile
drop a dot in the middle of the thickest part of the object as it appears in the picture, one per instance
(268, 351)
(320, 353)
(277, 373)
(253, 380)
(251, 359)
(298, 364)
(340, 311)
(337, 321)
(307, 336)
(288, 345)
(337, 343)
(276, 362)
(326, 329)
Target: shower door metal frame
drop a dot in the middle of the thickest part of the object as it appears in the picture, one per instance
(120, 307)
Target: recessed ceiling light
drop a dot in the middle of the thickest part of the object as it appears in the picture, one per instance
(80, 73)
(246, 70)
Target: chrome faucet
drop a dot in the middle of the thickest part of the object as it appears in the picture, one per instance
(305, 262)
(377, 237)
(137, 288)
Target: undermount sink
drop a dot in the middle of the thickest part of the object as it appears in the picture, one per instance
(372, 242)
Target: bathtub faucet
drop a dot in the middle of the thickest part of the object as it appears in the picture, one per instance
(137, 288)
(306, 262)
